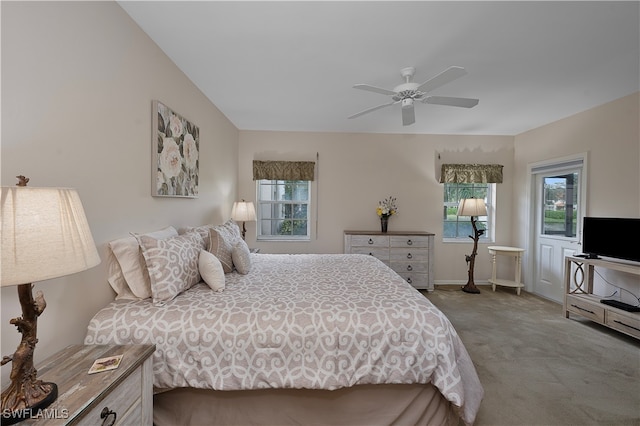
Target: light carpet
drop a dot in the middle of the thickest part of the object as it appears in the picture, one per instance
(539, 368)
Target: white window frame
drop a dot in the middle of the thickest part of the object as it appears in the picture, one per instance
(490, 201)
(262, 202)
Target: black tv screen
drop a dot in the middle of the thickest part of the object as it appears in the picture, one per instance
(611, 237)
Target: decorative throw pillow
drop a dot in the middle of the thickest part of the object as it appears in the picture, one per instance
(221, 248)
(130, 261)
(172, 264)
(233, 230)
(211, 270)
(241, 257)
(202, 230)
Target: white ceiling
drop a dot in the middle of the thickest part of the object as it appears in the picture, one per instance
(291, 65)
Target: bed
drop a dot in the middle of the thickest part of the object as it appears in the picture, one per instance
(288, 339)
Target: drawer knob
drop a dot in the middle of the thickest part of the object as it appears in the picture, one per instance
(370, 241)
(409, 256)
(409, 280)
(370, 254)
(108, 416)
(409, 242)
(409, 268)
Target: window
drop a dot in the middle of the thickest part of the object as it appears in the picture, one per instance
(454, 226)
(283, 209)
(560, 196)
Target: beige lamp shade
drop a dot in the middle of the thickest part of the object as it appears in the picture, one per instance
(472, 207)
(243, 211)
(45, 235)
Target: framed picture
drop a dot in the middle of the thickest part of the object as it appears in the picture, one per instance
(176, 154)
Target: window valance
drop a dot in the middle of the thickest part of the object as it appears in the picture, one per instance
(471, 173)
(283, 170)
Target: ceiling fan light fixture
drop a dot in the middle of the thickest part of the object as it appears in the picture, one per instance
(406, 93)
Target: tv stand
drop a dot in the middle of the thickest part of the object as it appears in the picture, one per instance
(579, 298)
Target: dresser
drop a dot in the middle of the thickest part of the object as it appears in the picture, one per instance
(410, 254)
(123, 396)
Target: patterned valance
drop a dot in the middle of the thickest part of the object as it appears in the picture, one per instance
(283, 170)
(471, 173)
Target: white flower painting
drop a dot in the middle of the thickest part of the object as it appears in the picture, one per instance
(176, 158)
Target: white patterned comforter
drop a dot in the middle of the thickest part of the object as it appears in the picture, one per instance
(298, 321)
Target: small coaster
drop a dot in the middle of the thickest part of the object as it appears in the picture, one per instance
(105, 364)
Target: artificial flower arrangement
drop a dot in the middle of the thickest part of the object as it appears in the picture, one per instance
(387, 207)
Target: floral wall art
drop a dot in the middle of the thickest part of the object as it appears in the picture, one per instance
(176, 148)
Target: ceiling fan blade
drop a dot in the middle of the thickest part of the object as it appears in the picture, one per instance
(443, 78)
(408, 115)
(447, 100)
(366, 111)
(374, 89)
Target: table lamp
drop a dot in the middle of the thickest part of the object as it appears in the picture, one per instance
(44, 235)
(473, 207)
(243, 211)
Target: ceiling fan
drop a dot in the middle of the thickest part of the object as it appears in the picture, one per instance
(409, 92)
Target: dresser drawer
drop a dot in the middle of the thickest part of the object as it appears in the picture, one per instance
(410, 241)
(627, 323)
(586, 308)
(369, 241)
(416, 267)
(379, 253)
(415, 279)
(409, 254)
(124, 400)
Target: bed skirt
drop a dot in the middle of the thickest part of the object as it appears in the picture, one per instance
(384, 404)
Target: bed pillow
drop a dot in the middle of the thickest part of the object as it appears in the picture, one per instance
(229, 230)
(233, 231)
(221, 248)
(116, 279)
(130, 261)
(202, 230)
(172, 264)
(211, 270)
(241, 257)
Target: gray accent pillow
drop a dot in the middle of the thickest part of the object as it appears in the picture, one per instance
(241, 257)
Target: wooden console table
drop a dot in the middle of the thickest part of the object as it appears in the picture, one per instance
(506, 251)
(579, 298)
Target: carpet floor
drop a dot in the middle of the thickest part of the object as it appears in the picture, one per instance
(539, 368)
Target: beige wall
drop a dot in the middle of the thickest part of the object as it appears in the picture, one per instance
(609, 134)
(355, 171)
(78, 79)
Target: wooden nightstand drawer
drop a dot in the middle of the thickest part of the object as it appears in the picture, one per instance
(124, 401)
(126, 390)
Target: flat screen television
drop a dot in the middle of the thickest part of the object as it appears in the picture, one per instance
(611, 237)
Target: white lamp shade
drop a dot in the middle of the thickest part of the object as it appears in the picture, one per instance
(45, 235)
(243, 211)
(472, 207)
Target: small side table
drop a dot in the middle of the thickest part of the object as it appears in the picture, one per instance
(506, 251)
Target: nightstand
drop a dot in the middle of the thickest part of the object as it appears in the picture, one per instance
(88, 399)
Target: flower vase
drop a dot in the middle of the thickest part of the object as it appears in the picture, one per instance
(384, 221)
